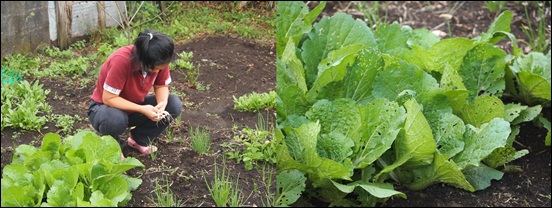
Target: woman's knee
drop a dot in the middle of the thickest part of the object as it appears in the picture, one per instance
(174, 105)
(114, 122)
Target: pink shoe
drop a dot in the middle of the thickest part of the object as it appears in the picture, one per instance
(144, 150)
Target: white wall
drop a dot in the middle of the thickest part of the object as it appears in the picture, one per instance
(85, 17)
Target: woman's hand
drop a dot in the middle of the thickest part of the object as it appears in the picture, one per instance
(153, 113)
(161, 106)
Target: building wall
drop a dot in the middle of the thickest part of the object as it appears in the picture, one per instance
(85, 17)
(28, 24)
(24, 26)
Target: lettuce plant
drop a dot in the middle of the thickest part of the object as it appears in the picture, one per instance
(358, 110)
(80, 170)
(528, 78)
(254, 102)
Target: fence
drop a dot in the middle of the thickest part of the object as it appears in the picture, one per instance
(28, 24)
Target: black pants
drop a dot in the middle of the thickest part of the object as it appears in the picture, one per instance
(113, 121)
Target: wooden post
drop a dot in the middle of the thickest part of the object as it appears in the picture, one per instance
(64, 16)
(242, 4)
(101, 15)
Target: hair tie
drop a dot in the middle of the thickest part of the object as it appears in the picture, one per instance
(151, 35)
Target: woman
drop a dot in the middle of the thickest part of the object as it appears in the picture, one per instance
(121, 100)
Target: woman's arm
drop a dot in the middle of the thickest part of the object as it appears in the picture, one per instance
(161, 95)
(113, 100)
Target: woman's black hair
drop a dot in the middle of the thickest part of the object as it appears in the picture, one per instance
(152, 48)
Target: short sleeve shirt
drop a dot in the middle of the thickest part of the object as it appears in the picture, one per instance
(120, 76)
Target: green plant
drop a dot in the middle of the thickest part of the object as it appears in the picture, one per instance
(201, 87)
(257, 145)
(170, 133)
(81, 170)
(254, 102)
(371, 11)
(268, 199)
(164, 197)
(24, 105)
(153, 155)
(187, 66)
(495, 6)
(186, 56)
(173, 127)
(236, 196)
(200, 139)
(24, 65)
(528, 79)
(104, 50)
(537, 39)
(55, 53)
(64, 122)
(192, 74)
(222, 188)
(81, 44)
(357, 108)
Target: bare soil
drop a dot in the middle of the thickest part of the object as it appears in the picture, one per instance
(228, 67)
(528, 188)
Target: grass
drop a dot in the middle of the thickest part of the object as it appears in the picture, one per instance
(200, 139)
(267, 177)
(371, 11)
(183, 20)
(222, 189)
(152, 154)
(536, 37)
(171, 130)
(164, 197)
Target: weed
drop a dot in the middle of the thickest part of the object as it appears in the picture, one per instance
(64, 122)
(495, 6)
(202, 87)
(192, 74)
(536, 40)
(222, 189)
(371, 11)
(152, 154)
(170, 133)
(55, 53)
(164, 197)
(171, 130)
(257, 145)
(200, 139)
(267, 178)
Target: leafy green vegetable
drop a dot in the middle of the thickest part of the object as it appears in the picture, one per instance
(528, 78)
(254, 102)
(82, 170)
(357, 107)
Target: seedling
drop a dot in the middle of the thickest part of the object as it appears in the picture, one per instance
(163, 114)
